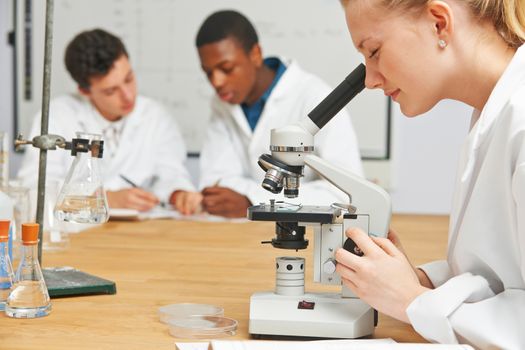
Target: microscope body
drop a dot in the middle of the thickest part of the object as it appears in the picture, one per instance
(289, 310)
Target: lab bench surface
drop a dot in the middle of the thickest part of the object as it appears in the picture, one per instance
(160, 262)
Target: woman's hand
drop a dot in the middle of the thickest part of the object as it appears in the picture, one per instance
(421, 275)
(383, 277)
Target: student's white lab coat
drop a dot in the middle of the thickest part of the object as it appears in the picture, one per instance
(480, 289)
(150, 152)
(231, 149)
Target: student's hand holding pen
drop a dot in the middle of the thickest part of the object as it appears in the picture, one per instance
(132, 198)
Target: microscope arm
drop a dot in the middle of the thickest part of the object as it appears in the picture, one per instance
(367, 196)
(292, 147)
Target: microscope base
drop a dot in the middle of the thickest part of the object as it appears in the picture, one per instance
(331, 317)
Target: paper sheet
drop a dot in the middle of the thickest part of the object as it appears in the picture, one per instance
(344, 344)
(353, 344)
(192, 346)
(165, 213)
(263, 345)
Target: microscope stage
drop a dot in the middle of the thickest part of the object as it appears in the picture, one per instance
(286, 212)
(320, 315)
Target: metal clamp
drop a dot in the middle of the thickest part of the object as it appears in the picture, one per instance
(47, 142)
(51, 142)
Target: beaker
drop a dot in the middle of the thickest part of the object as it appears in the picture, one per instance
(22, 214)
(4, 159)
(54, 236)
(82, 198)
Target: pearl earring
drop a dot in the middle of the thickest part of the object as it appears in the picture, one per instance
(442, 43)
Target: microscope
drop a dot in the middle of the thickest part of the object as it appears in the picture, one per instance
(288, 310)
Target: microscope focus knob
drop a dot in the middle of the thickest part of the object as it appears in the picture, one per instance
(329, 266)
(352, 247)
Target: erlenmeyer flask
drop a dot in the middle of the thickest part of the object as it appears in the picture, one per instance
(29, 297)
(82, 198)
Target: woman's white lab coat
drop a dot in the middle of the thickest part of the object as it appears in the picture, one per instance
(480, 289)
(231, 148)
(150, 149)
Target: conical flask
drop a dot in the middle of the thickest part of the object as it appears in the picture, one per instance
(7, 275)
(82, 198)
(29, 297)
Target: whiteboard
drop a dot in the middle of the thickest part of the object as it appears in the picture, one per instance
(160, 36)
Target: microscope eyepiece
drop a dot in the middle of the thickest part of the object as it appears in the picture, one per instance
(353, 84)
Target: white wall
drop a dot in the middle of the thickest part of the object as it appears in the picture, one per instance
(424, 157)
(168, 69)
(424, 149)
(5, 69)
(6, 80)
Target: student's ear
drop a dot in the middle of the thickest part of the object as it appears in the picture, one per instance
(255, 55)
(84, 92)
(442, 19)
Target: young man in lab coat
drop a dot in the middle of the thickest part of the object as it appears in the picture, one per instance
(255, 95)
(142, 142)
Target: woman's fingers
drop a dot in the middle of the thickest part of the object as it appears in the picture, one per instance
(386, 245)
(362, 240)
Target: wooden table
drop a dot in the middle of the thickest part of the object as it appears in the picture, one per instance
(155, 263)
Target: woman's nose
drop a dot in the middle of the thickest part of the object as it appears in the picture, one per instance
(373, 79)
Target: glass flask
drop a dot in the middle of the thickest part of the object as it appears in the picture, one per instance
(20, 196)
(29, 297)
(4, 159)
(54, 236)
(6, 269)
(82, 198)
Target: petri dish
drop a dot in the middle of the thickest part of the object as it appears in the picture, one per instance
(183, 310)
(202, 327)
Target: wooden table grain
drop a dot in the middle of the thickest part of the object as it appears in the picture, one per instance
(155, 263)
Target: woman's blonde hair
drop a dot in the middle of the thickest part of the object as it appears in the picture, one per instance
(508, 16)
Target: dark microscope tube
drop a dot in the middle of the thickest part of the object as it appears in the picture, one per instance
(353, 84)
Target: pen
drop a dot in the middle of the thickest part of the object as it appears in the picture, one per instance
(129, 181)
(162, 203)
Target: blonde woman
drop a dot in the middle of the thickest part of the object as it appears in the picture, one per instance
(420, 52)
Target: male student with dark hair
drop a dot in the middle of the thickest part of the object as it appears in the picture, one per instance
(254, 95)
(142, 142)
